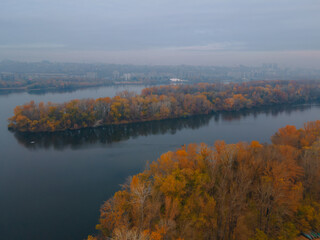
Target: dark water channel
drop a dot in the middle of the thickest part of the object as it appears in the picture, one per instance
(52, 185)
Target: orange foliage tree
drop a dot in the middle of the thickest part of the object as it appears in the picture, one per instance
(162, 102)
(225, 192)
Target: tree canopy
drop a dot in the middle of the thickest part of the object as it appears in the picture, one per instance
(227, 191)
(158, 103)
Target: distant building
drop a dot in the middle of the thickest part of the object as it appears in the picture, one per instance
(127, 76)
(115, 75)
(91, 75)
(272, 66)
(7, 76)
(176, 80)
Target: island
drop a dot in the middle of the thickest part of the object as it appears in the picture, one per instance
(160, 102)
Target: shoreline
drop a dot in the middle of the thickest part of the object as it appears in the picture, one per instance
(269, 107)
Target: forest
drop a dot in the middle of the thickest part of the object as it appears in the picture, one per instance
(108, 135)
(223, 192)
(161, 102)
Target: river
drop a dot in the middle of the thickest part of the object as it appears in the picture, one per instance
(52, 185)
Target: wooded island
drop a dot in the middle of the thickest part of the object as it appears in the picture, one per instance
(162, 102)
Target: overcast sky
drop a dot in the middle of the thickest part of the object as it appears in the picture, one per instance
(206, 32)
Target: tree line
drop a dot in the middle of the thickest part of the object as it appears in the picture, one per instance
(225, 192)
(55, 83)
(77, 139)
(162, 102)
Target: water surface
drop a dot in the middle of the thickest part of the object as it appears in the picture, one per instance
(52, 185)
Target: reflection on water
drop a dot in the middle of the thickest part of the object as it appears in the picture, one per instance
(42, 91)
(272, 110)
(4, 92)
(106, 135)
(57, 181)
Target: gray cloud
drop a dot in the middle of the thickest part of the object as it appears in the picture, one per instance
(140, 26)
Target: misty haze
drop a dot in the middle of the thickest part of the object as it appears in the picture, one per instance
(162, 32)
(159, 120)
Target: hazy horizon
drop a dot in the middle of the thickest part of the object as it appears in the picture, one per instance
(142, 32)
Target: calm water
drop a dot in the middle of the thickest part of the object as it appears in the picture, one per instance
(52, 185)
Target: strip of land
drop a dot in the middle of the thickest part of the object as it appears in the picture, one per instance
(162, 102)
